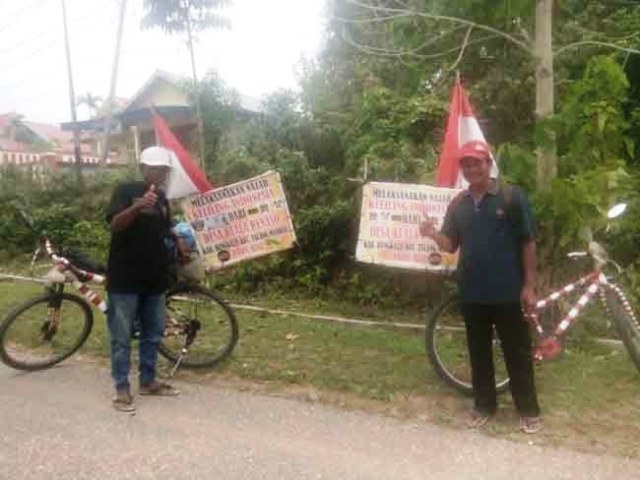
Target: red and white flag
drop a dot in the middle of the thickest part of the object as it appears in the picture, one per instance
(462, 127)
(186, 178)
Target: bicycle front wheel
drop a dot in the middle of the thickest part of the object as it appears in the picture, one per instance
(200, 321)
(446, 344)
(625, 321)
(44, 331)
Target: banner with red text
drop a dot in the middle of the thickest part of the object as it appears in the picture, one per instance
(390, 226)
(244, 220)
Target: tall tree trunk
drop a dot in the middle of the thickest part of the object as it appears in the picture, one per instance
(547, 165)
(72, 100)
(201, 152)
(112, 89)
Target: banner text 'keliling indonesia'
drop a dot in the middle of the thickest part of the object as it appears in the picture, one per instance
(245, 220)
(390, 226)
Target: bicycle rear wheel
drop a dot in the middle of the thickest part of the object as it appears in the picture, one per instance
(446, 344)
(44, 331)
(201, 321)
(625, 321)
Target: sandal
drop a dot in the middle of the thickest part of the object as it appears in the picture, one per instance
(477, 419)
(530, 424)
(123, 402)
(160, 389)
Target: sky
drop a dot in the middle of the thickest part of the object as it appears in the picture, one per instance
(258, 55)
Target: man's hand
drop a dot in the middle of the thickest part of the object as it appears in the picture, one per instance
(428, 227)
(183, 250)
(528, 299)
(148, 200)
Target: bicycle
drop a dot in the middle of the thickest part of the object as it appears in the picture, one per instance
(445, 339)
(201, 329)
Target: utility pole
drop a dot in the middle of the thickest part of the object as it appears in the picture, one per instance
(72, 100)
(112, 88)
(201, 160)
(547, 163)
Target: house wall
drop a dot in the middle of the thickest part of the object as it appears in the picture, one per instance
(162, 93)
(40, 165)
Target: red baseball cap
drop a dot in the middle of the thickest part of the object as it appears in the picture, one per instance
(474, 149)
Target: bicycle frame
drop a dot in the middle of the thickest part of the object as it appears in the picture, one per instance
(64, 271)
(549, 346)
(72, 274)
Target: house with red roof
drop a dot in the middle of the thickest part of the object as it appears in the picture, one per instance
(38, 147)
(41, 147)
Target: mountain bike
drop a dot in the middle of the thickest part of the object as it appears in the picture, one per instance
(446, 342)
(200, 327)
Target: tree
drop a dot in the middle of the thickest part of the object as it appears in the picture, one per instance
(92, 102)
(415, 31)
(186, 16)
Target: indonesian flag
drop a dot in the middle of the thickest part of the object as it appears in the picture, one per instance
(186, 178)
(462, 127)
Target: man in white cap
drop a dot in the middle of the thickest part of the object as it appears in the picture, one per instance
(140, 222)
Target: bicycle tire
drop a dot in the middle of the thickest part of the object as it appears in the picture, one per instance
(625, 321)
(441, 348)
(201, 354)
(9, 350)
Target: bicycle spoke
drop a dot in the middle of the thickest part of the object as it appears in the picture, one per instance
(199, 323)
(448, 350)
(37, 335)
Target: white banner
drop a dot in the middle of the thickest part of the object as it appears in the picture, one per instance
(390, 226)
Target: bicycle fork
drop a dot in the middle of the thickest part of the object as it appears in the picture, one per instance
(50, 326)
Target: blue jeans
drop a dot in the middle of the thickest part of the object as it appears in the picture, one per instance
(124, 309)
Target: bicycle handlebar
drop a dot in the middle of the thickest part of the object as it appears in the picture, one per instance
(599, 255)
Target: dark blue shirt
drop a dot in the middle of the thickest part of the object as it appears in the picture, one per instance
(490, 235)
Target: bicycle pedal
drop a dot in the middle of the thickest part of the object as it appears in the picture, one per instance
(549, 348)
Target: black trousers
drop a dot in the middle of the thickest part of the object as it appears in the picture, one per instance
(515, 339)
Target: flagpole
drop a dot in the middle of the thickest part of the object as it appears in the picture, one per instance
(154, 112)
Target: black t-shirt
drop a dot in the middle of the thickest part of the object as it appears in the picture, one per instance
(138, 255)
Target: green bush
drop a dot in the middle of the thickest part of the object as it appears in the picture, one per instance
(71, 215)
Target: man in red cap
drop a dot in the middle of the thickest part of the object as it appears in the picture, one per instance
(494, 228)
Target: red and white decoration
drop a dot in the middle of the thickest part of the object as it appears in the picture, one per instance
(462, 127)
(186, 178)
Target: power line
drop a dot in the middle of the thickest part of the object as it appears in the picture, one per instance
(33, 78)
(27, 41)
(11, 48)
(40, 96)
(26, 56)
(18, 15)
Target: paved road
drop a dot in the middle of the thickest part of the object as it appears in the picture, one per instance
(58, 424)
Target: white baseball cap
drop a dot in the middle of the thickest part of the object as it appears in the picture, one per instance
(156, 157)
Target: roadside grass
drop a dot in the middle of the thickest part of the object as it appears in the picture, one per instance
(590, 397)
